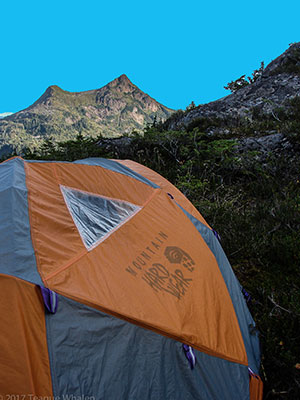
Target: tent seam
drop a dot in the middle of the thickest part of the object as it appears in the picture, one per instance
(31, 219)
(220, 269)
(153, 186)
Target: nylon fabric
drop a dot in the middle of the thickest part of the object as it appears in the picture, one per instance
(57, 242)
(256, 388)
(113, 359)
(155, 278)
(112, 165)
(24, 361)
(17, 256)
(246, 322)
(55, 237)
(104, 275)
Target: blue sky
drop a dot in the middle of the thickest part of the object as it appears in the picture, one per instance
(176, 51)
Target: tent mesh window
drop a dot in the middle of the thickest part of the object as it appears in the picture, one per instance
(96, 217)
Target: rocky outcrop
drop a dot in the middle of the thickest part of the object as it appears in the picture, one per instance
(276, 143)
(279, 82)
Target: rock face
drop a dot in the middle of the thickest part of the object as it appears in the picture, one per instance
(111, 111)
(279, 82)
(275, 143)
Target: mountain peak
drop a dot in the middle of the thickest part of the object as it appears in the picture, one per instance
(122, 84)
(117, 108)
(50, 92)
(53, 89)
(123, 78)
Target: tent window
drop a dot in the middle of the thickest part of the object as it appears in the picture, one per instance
(96, 217)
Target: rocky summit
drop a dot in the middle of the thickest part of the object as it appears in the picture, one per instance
(265, 99)
(111, 111)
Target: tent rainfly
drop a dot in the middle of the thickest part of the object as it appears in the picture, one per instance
(114, 287)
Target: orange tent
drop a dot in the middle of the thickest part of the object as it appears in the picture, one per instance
(114, 287)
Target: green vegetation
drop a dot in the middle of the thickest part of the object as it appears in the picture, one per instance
(254, 206)
(241, 82)
(79, 148)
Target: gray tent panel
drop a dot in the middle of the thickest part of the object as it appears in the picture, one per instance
(95, 354)
(17, 256)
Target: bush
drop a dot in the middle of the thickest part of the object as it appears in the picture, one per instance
(241, 82)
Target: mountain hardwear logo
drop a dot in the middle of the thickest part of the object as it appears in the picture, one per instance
(175, 255)
(168, 277)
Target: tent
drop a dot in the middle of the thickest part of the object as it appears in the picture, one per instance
(114, 287)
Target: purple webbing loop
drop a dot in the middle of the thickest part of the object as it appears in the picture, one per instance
(252, 373)
(50, 299)
(172, 197)
(190, 355)
(217, 235)
(247, 296)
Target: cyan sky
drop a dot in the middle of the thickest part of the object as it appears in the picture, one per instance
(176, 51)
